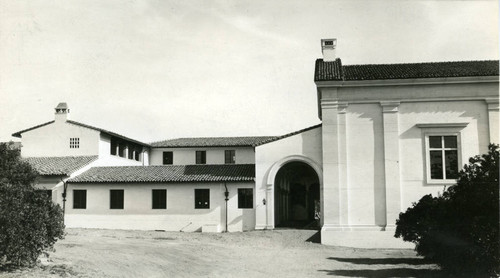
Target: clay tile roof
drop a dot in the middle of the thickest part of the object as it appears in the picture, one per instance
(288, 135)
(324, 70)
(66, 165)
(168, 173)
(211, 142)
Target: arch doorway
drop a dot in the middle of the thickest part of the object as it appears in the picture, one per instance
(296, 196)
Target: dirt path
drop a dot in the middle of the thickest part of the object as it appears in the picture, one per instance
(279, 253)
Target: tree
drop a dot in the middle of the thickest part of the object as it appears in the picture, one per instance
(30, 222)
(459, 230)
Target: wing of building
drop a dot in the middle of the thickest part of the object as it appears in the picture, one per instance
(389, 134)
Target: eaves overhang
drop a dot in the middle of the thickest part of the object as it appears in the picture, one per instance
(408, 82)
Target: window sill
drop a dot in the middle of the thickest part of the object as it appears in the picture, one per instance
(441, 182)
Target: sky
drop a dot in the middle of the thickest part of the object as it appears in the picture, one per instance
(160, 69)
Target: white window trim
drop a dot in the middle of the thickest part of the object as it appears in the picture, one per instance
(429, 180)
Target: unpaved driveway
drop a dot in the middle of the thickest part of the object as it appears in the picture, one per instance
(279, 253)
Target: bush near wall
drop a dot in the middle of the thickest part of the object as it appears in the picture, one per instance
(460, 229)
(30, 222)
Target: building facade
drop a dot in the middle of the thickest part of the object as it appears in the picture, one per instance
(389, 134)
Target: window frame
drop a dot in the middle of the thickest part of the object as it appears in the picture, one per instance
(245, 204)
(111, 199)
(203, 157)
(232, 156)
(153, 198)
(196, 198)
(429, 179)
(85, 197)
(171, 154)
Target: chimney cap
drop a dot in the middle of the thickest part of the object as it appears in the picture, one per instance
(329, 43)
(62, 105)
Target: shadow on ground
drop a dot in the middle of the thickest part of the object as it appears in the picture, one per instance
(370, 261)
(390, 272)
(414, 267)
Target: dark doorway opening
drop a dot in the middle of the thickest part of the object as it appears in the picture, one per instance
(296, 197)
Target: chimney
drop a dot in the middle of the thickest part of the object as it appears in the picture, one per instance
(328, 48)
(62, 112)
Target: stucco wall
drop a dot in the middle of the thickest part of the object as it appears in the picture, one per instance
(107, 159)
(53, 140)
(474, 139)
(365, 169)
(187, 156)
(138, 213)
(303, 145)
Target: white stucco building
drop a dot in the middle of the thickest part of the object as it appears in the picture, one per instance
(389, 134)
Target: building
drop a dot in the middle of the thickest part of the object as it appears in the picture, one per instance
(389, 134)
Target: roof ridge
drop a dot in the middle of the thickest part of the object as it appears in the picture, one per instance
(289, 134)
(419, 63)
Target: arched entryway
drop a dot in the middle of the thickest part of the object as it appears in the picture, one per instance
(296, 196)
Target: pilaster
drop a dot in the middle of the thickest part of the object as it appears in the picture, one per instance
(493, 119)
(390, 111)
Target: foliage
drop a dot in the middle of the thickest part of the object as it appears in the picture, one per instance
(459, 230)
(30, 222)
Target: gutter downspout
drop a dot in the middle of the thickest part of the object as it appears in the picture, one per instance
(226, 194)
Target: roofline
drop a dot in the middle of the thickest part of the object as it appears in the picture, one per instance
(210, 146)
(149, 182)
(109, 133)
(18, 134)
(288, 135)
(202, 146)
(409, 81)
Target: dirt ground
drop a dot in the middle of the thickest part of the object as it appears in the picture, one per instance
(278, 253)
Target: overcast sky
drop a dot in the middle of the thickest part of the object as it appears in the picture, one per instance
(157, 69)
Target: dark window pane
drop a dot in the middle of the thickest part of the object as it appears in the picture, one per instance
(435, 141)
(79, 199)
(168, 158)
(137, 154)
(229, 157)
(436, 161)
(116, 199)
(114, 144)
(451, 160)
(450, 141)
(245, 198)
(130, 152)
(159, 198)
(202, 198)
(201, 157)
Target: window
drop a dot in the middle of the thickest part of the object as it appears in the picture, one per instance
(74, 143)
(137, 153)
(201, 157)
(114, 146)
(168, 158)
(202, 198)
(229, 157)
(79, 199)
(245, 198)
(159, 198)
(116, 199)
(442, 157)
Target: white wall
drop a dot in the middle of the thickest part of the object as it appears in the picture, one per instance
(187, 156)
(365, 169)
(53, 140)
(139, 215)
(306, 144)
(474, 140)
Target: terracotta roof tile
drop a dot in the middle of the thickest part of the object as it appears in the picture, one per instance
(211, 142)
(288, 135)
(168, 173)
(59, 165)
(326, 71)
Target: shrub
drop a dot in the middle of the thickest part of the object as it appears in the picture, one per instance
(460, 229)
(30, 222)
